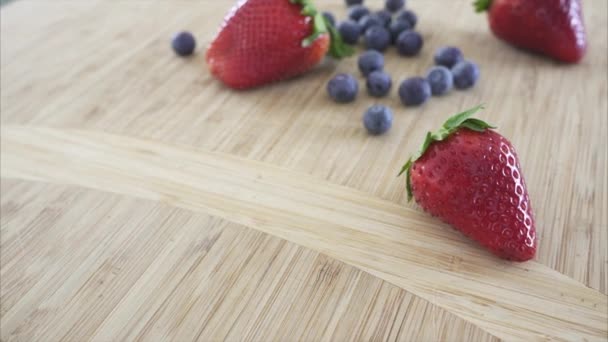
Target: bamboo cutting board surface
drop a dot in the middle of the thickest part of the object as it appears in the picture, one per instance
(142, 200)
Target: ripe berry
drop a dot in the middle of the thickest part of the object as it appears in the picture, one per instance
(465, 74)
(394, 5)
(414, 91)
(448, 56)
(350, 31)
(343, 88)
(397, 27)
(409, 43)
(368, 21)
(378, 84)
(378, 119)
(377, 38)
(408, 16)
(183, 43)
(440, 79)
(370, 61)
(357, 12)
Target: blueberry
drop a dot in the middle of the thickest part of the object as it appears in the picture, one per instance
(357, 12)
(377, 38)
(378, 119)
(448, 56)
(385, 16)
(397, 27)
(441, 80)
(343, 88)
(408, 16)
(394, 5)
(370, 61)
(465, 74)
(414, 91)
(368, 21)
(350, 31)
(330, 18)
(183, 43)
(353, 2)
(409, 43)
(379, 84)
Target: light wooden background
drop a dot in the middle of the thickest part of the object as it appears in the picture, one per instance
(143, 200)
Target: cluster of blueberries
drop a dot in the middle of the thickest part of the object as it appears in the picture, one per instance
(379, 29)
(450, 70)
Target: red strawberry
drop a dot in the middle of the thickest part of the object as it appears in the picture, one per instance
(469, 176)
(551, 27)
(263, 41)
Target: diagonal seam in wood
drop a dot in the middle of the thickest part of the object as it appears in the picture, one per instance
(402, 246)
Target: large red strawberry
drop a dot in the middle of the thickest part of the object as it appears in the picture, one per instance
(469, 176)
(263, 41)
(552, 27)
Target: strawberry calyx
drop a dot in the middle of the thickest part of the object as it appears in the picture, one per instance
(337, 48)
(454, 123)
(482, 5)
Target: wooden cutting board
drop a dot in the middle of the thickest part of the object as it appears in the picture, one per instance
(142, 200)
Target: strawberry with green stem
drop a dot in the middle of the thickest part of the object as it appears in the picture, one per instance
(469, 176)
(551, 27)
(263, 41)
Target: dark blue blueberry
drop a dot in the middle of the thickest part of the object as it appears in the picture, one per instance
(353, 2)
(343, 88)
(379, 84)
(377, 38)
(385, 16)
(370, 61)
(409, 43)
(330, 18)
(465, 74)
(414, 91)
(440, 79)
(448, 56)
(408, 16)
(378, 119)
(398, 26)
(357, 12)
(368, 21)
(394, 5)
(350, 31)
(183, 43)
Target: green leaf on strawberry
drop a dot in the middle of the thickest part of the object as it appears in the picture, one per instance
(337, 49)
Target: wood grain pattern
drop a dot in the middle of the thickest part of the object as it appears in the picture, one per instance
(105, 66)
(135, 265)
(513, 301)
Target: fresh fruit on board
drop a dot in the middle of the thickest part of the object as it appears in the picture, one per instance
(469, 176)
(466, 74)
(183, 43)
(554, 28)
(414, 91)
(377, 38)
(408, 16)
(440, 79)
(448, 56)
(378, 119)
(350, 31)
(343, 88)
(409, 43)
(378, 84)
(370, 61)
(263, 41)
